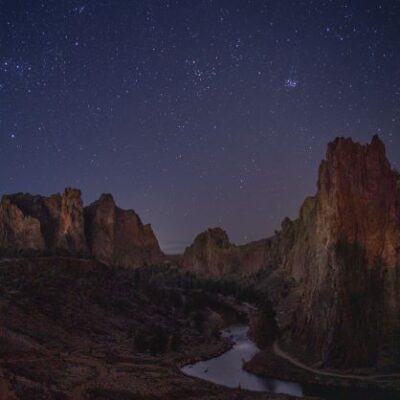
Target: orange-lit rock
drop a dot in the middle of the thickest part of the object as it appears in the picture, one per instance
(18, 231)
(59, 225)
(345, 258)
(118, 236)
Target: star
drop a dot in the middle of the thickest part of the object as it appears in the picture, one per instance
(291, 83)
(150, 92)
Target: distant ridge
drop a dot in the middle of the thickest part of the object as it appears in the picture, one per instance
(59, 224)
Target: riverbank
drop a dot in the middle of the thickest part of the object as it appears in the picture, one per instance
(113, 334)
(227, 368)
(271, 363)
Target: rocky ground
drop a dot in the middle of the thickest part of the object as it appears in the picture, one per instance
(77, 329)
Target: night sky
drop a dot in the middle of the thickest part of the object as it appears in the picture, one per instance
(195, 113)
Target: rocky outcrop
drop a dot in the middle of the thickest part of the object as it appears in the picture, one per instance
(213, 255)
(357, 200)
(18, 232)
(59, 224)
(59, 219)
(70, 235)
(343, 253)
(100, 228)
(345, 258)
(118, 236)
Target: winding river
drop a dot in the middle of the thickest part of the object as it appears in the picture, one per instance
(227, 370)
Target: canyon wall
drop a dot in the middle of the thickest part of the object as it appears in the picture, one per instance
(59, 224)
(345, 258)
(213, 255)
(58, 220)
(118, 237)
(343, 252)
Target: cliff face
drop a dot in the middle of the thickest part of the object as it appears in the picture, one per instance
(60, 225)
(59, 221)
(70, 234)
(213, 255)
(17, 230)
(343, 252)
(345, 258)
(357, 200)
(119, 237)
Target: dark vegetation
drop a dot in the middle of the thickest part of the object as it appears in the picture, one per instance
(359, 300)
(153, 317)
(205, 292)
(33, 253)
(152, 305)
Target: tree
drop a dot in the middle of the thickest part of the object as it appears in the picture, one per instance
(198, 319)
(159, 341)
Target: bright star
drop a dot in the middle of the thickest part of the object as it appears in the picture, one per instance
(291, 83)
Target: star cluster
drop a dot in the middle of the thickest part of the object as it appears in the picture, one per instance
(194, 113)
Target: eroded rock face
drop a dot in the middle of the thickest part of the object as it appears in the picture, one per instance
(345, 258)
(100, 226)
(60, 225)
(17, 230)
(213, 255)
(70, 235)
(357, 200)
(119, 237)
(343, 252)
(59, 218)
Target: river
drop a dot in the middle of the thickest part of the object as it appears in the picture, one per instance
(227, 370)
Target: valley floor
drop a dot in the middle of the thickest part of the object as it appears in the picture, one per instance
(76, 329)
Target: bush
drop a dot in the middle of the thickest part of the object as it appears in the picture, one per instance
(159, 342)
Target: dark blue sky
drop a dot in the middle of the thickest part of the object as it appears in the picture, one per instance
(193, 113)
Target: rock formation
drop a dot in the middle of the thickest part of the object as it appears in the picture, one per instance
(345, 257)
(18, 231)
(343, 252)
(70, 234)
(213, 255)
(60, 225)
(58, 217)
(119, 237)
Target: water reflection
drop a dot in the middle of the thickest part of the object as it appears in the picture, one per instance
(227, 369)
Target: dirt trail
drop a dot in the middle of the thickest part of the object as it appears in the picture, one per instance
(280, 353)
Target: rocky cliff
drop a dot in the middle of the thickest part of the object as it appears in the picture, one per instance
(345, 258)
(213, 255)
(17, 230)
(58, 220)
(59, 224)
(119, 237)
(343, 252)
